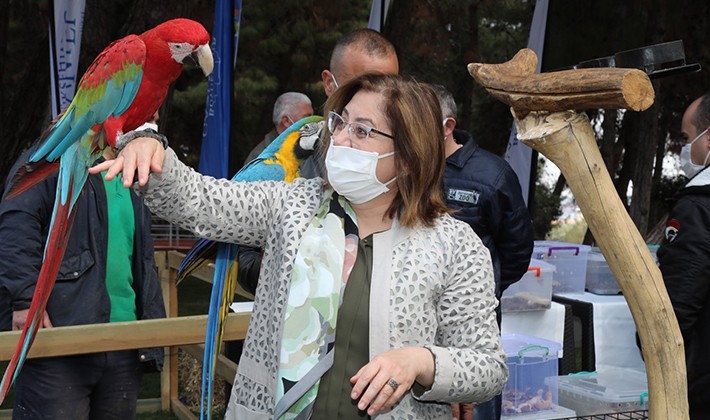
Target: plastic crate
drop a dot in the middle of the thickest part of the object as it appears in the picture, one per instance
(555, 413)
(600, 280)
(610, 391)
(532, 292)
(570, 261)
(531, 360)
(626, 415)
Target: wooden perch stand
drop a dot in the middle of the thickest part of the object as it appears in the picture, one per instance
(516, 84)
(542, 105)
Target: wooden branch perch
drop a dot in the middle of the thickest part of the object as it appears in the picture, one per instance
(567, 139)
(515, 83)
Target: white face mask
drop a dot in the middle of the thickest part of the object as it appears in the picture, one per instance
(351, 173)
(689, 168)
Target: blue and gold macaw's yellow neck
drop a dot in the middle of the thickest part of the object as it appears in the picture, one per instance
(281, 159)
(297, 146)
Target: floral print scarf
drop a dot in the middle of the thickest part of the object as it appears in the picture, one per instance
(323, 263)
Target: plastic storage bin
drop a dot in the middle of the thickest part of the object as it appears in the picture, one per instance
(610, 391)
(530, 360)
(556, 412)
(532, 292)
(600, 279)
(570, 261)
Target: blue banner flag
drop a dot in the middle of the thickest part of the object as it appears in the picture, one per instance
(216, 131)
(378, 14)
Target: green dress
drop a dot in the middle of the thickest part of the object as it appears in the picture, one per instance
(351, 343)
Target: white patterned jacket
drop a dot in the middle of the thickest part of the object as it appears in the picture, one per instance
(430, 287)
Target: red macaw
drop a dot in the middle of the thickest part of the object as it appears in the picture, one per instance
(121, 90)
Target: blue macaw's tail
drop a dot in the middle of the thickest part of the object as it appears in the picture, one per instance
(223, 288)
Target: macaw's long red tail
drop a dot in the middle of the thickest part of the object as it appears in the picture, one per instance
(53, 256)
(30, 174)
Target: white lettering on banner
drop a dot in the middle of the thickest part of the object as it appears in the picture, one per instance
(65, 66)
(68, 22)
(464, 196)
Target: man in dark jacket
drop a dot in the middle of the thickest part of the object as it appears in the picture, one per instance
(684, 255)
(108, 274)
(485, 191)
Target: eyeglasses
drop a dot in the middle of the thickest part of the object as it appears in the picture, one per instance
(336, 123)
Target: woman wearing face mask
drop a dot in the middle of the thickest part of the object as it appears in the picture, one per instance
(373, 301)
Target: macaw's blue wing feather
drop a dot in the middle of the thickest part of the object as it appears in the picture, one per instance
(201, 254)
(107, 89)
(278, 162)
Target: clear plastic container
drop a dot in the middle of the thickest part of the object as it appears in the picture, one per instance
(611, 391)
(531, 360)
(600, 280)
(570, 261)
(533, 292)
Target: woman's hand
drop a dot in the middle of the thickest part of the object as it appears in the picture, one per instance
(144, 155)
(381, 383)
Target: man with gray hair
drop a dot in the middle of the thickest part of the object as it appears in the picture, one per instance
(288, 108)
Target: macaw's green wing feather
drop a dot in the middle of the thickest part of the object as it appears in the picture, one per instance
(107, 89)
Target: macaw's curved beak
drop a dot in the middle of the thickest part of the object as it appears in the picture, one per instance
(203, 57)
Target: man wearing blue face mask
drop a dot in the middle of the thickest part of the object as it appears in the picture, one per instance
(684, 255)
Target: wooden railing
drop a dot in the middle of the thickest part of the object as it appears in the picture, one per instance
(173, 332)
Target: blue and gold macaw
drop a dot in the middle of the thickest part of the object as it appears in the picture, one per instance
(280, 161)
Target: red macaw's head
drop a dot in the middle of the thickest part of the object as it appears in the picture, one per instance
(171, 42)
